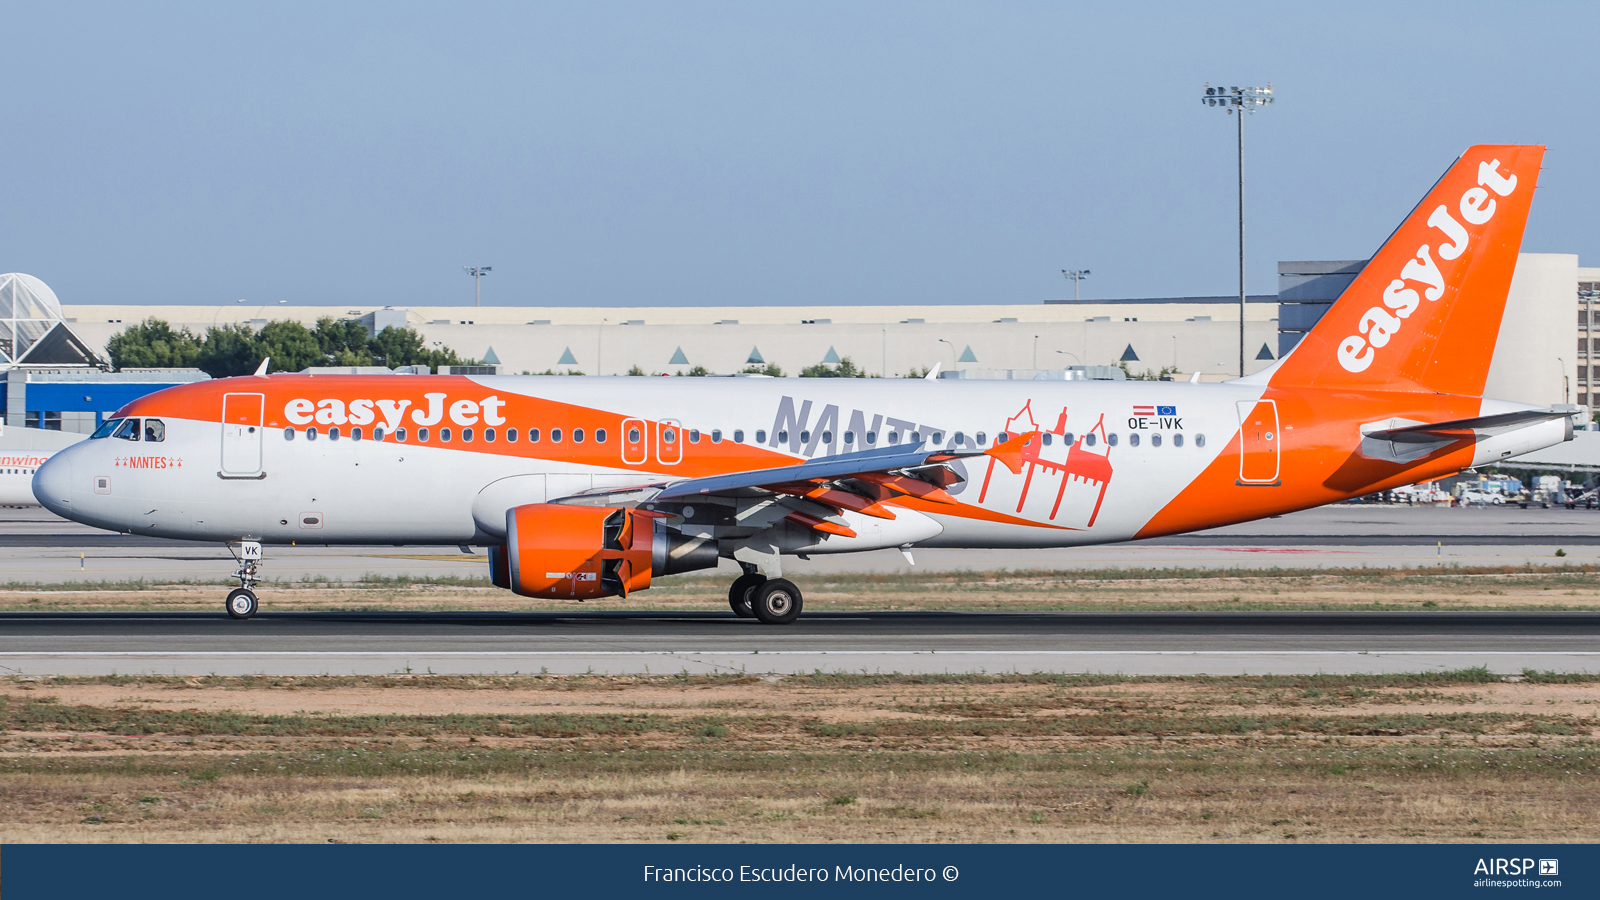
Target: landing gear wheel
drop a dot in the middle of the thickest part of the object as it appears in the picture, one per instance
(776, 602)
(739, 595)
(242, 603)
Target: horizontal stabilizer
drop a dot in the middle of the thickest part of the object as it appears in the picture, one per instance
(1465, 428)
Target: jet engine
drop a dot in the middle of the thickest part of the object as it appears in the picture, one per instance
(582, 552)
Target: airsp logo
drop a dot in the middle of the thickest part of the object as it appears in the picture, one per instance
(1549, 867)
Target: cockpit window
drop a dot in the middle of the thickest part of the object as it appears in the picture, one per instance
(105, 428)
(128, 430)
(155, 430)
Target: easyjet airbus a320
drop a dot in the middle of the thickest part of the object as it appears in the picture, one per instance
(590, 487)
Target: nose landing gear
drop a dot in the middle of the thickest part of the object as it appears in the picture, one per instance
(242, 602)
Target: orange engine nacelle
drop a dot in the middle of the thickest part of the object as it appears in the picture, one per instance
(578, 552)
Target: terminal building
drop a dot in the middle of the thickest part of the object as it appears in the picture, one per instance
(58, 377)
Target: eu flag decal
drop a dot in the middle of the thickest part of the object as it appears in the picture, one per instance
(1166, 410)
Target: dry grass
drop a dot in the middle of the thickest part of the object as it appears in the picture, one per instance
(1443, 757)
(1505, 588)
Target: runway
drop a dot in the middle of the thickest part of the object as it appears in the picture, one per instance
(37, 547)
(871, 643)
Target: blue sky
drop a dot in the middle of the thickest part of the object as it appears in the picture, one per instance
(737, 153)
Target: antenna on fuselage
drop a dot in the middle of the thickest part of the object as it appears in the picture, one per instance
(261, 370)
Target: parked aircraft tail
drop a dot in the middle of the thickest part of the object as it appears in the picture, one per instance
(1425, 313)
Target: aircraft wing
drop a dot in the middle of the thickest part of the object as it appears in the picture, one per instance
(815, 492)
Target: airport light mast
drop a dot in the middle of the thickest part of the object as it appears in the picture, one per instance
(1240, 100)
(1076, 275)
(477, 273)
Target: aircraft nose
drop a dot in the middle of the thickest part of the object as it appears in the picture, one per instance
(52, 485)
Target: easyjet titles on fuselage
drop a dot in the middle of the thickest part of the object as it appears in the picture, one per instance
(333, 411)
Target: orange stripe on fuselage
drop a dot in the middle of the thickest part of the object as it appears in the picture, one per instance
(202, 402)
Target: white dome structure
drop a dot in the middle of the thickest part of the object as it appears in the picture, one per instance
(32, 327)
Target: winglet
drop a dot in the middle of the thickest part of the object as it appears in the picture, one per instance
(1009, 453)
(933, 374)
(261, 370)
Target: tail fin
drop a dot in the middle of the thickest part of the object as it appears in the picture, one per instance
(1425, 312)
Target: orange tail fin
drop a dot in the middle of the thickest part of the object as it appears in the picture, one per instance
(1425, 313)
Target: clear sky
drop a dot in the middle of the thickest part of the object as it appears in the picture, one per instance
(737, 153)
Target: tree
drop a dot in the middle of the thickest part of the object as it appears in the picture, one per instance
(343, 341)
(153, 344)
(636, 371)
(697, 371)
(229, 350)
(395, 347)
(768, 369)
(845, 369)
(291, 346)
(1148, 375)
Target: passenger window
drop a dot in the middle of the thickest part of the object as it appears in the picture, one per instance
(1177, 440)
(827, 437)
(958, 440)
(669, 435)
(783, 437)
(694, 435)
(761, 437)
(1155, 440)
(488, 435)
(355, 434)
(872, 437)
(1089, 439)
(422, 435)
(738, 436)
(311, 434)
(288, 434)
(849, 437)
(894, 437)
(333, 433)
(377, 433)
(1133, 439)
(938, 438)
(128, 430)
(511, 435)
(577, 435)
(599, 435)
(156, 430)
(1111, 439)
(400, 435)
(716, 435)
(981, 439)
(555, 435)
(1199, 440)
(1047, 437)
(466, 435)
(633, 435)
(1068, 439)
(444, 435)
(533, 436)
(916, 437)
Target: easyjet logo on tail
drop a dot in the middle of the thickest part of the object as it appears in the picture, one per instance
(1380, 323)
(333, 411)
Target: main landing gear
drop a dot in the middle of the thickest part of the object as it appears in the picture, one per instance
(774, 601)
(242, 602)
